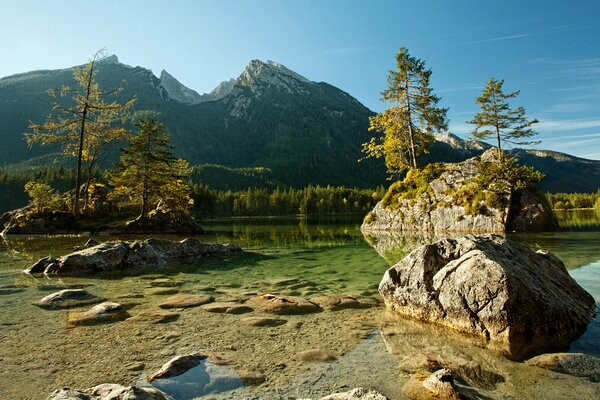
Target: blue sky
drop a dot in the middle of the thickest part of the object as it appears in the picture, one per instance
(550, 50)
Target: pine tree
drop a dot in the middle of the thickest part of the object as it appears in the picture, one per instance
(86, 127)
(407, 124)
(149, 176)
(497, 120)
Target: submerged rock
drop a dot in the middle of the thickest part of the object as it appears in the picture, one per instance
(110, 391)
(263, 321)
(227, 307)
(524, 302)
(281, 305)
(343, 302)
(356, 394)
(315, 355)
(101, 313)
(114, 256)
(438, 385)
(68, 298)
(185, 301)
(177, 366)
(576, 364)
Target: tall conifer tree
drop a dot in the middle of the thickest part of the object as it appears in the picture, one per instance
(85, 127)
(148, 174)
(407, 124)
(497, 120)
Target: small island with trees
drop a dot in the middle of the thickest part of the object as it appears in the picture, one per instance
(489, 193)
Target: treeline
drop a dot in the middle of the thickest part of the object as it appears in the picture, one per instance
(211, 203)
(567, 201)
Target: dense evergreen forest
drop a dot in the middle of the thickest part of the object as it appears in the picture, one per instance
(213, 202)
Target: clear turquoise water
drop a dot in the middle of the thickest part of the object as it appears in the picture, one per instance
(323, 257)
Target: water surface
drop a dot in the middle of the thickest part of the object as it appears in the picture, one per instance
(41, 352)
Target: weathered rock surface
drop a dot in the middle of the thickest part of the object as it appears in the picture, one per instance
(227, 307)
(110, 391)
(525, 302)
(281, 305)
(185, 301)
(356, 394)
(315, 355)
(68, 298)
(470, 371)
(438, 385)
(343, 302)
(263, 321)
(177, 366)
(113, 256)
(576, 364)
(437, 210)
(101, 313)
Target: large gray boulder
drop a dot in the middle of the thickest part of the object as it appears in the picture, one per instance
(113, 256)
(110, 391)
(450, 199)
(523, 302)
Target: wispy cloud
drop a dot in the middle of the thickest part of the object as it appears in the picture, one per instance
(566, 125)
(570, 137)
(498, 38)
(558, 29)
(568, 108)
(346, 50)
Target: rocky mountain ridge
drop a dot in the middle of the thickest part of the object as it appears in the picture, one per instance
(299, 131)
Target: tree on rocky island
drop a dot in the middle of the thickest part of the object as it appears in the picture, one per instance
(497, 119)
(149, 176)
(85, 127)
(42, 196)
(407, 124)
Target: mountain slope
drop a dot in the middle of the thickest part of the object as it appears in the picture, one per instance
(303, 132)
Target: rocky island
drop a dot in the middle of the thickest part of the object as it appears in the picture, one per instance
(460, 197)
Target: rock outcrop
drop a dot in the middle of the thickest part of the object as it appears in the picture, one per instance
(110, 391)
(448, 198)
(523, 302)
(99, 314)
(114, 256)
(576, 364)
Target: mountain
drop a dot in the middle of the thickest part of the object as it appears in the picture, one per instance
(269, 119)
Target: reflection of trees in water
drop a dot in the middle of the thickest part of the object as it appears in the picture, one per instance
(580, 219)
(302, 232)
(395, 245)
(575, 249)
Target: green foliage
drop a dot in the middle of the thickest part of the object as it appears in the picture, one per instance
(148, 175)
(406, 126)
(85, 127)
(42, 196)
(490, 187)
(264, 202)
(565, 201)
(497, 120)
(413, 185)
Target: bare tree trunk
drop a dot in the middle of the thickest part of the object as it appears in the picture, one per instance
(411, 135)
(81, 138)
(500, 152)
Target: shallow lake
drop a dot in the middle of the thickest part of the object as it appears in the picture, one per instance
(307, 356)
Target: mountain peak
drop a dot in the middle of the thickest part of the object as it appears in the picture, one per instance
(270, 73)
(112, 59)
(177, 91)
